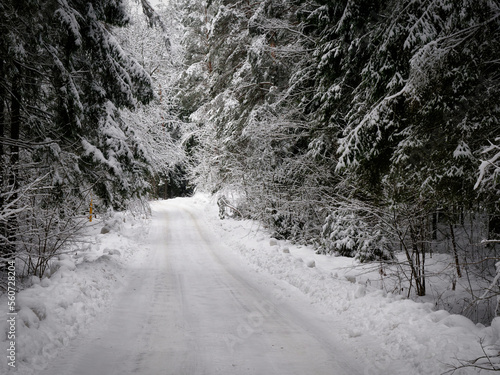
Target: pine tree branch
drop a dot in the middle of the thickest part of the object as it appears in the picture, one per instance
(23, 144)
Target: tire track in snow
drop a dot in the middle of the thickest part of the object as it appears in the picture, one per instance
(192, 309)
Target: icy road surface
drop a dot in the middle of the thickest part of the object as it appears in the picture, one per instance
(192, 307)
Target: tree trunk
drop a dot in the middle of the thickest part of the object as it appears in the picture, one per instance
(417, 262)
(15, 126)
(454, 249)
(3, 227)
(434, 224)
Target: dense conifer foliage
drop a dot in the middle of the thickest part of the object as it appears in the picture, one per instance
(63, 80)
(364, 127)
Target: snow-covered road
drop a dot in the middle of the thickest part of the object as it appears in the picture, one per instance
(192, 307)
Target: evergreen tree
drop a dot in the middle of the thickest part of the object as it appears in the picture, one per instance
(157, 123)
(65, 77)
(306, 108)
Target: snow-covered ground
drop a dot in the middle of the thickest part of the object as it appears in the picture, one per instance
(416, 338)
(78, 287)
(187, 293)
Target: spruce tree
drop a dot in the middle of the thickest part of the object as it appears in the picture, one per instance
(65, 77)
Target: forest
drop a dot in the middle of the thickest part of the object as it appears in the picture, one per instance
(365, 128)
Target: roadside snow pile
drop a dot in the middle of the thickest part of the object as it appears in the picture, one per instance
(77, 286)
(416, 338)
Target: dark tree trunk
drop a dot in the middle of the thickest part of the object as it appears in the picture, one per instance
(434, 224)
(455, 251)
(3, 226)
(15, 127)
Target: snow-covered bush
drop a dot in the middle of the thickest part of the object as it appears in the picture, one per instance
(346, 233)
(45, 231)
(139, 207)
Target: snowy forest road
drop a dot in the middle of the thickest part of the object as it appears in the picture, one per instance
(192, 308)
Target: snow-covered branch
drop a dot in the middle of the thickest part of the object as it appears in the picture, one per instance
(489, 167)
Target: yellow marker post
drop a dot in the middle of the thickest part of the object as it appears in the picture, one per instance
(90, 211)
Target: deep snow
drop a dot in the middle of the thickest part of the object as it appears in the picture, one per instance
(188, 293)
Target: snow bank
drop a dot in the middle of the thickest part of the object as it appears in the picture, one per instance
(415, 338)
(76, 288)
